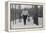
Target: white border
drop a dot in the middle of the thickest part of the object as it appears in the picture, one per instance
(18, 2)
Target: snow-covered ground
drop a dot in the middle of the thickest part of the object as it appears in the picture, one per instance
(29, 24)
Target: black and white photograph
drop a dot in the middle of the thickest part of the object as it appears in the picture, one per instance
(26, 16)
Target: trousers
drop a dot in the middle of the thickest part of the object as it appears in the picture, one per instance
(24, 19)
